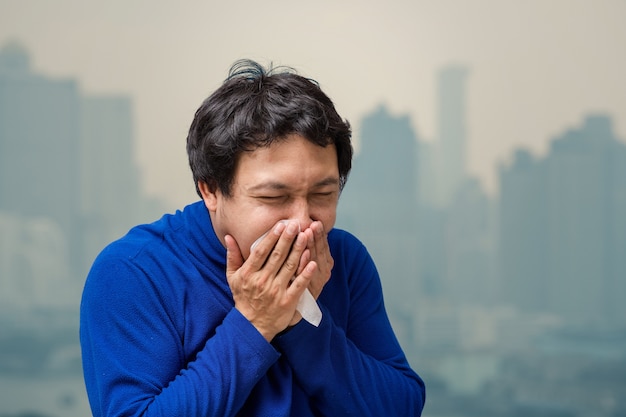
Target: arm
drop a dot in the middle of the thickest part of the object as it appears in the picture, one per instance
(353, 364)
(133, 354)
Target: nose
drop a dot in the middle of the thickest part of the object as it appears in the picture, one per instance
(301, 212)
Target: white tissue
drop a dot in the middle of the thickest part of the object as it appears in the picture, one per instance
(307, 306)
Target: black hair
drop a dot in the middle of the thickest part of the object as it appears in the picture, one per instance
(255, 107)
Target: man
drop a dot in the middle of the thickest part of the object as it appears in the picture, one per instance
(198, 314)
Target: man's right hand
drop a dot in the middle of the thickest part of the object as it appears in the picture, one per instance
(262, 285)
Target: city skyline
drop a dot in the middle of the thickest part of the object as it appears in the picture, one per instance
(435, 258)
(534, 67)
(107, 134)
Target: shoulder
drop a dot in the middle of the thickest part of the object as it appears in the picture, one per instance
(348, 251)
(119, 264)
(343, 240)
(149, 240)
(129, 261)
(355, 281)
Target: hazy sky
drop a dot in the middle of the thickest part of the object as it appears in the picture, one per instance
(536, 66)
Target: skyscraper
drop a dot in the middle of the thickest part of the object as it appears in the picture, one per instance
(523, 248)
(563, 227)
(69, 182)
(379, 205)
(39, 143)
(39, 178)
(111, 199)
(586, 179)
(451, 131)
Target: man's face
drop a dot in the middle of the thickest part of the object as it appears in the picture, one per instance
(292, 179)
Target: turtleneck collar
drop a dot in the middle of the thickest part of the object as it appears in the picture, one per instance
(204, 244)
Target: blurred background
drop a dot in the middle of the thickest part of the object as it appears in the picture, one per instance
(489, 182)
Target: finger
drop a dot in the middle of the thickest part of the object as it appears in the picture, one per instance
(289, 268)
(234, 258)
(301, 282)
(321, 251)
(262, 247)
(304, 260)
(282, 249)
(311, 243)
(323, 258)
(321, 243)
(325, 247)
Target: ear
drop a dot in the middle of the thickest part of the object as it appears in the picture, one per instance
(209, 195)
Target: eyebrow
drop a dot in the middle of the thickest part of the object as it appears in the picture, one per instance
(279, 186)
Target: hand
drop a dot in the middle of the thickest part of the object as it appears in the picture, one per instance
(317, 251)
(262, 286)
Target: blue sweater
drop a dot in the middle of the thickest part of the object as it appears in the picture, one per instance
(160, 335)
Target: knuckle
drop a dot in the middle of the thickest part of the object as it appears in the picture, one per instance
(274, 292)
(258, 285)
(290, 265)
(276, 255)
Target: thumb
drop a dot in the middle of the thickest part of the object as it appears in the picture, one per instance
(234, 258)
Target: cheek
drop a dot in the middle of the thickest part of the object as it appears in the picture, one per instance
(327, 216)
(246, 238)
(330, 223)
(252, 231)
(245, 223)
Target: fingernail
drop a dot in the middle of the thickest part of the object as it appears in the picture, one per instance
(292, 228)
(278, 229)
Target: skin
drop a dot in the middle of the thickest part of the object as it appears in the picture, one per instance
(292, 179)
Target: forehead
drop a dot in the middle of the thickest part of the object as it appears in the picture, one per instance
(293, 160)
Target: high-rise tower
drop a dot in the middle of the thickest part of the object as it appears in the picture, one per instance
(39, 142)
(451, 131)
(563, 227)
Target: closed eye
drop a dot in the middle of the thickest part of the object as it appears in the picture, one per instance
(272, 198)
(324, 195)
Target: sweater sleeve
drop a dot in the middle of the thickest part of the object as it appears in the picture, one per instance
(356, 368)
(133, 358)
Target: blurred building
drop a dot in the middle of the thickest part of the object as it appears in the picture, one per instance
(427, 224)
(468, 274)
(563, 227)
(69, 183)
(39, 145)
(452, 132)
(111, 199)
(456, 228)
(523, 242)
(34, 263)
(379, 205)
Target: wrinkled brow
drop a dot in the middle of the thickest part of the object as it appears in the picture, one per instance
(279, 186)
